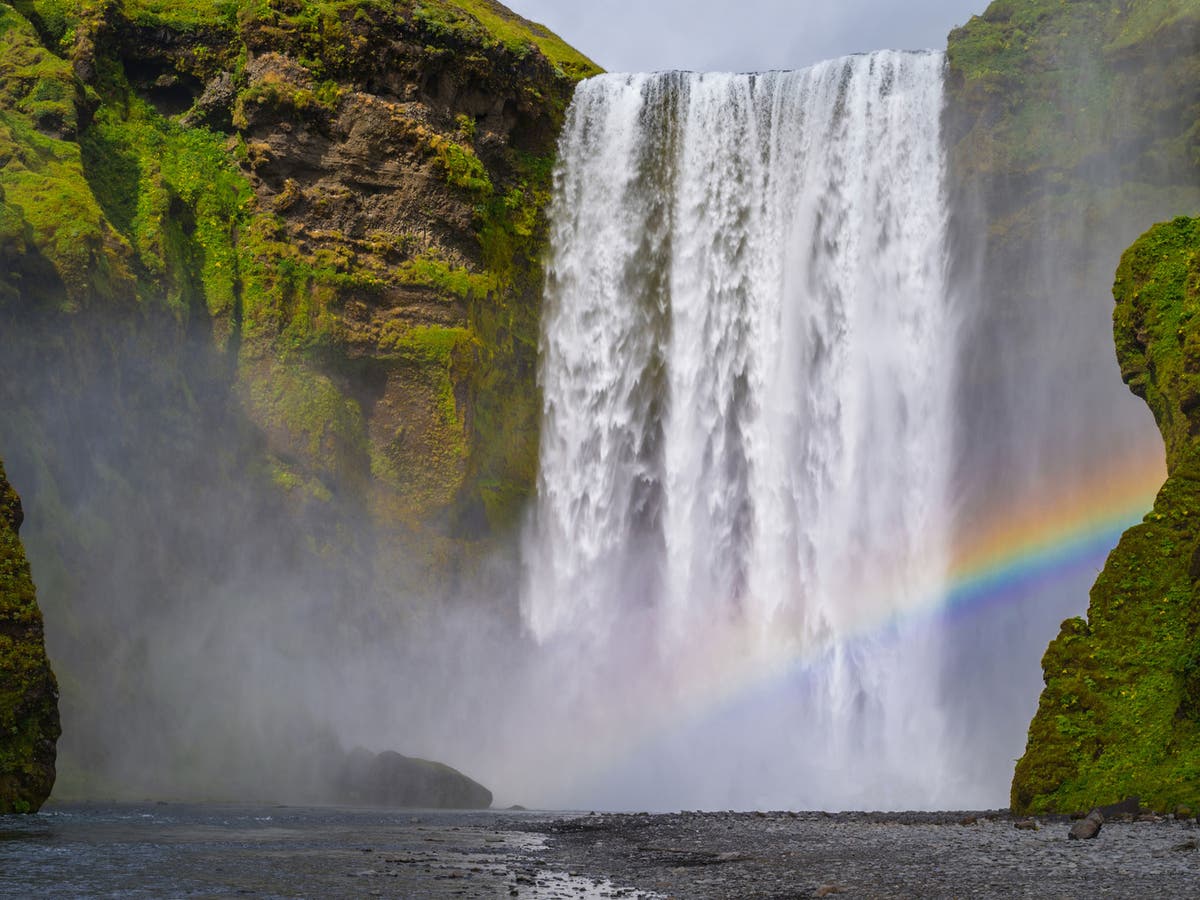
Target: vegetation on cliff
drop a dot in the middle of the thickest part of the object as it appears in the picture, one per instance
(29, 724)
(325, 182)
(1120, 714)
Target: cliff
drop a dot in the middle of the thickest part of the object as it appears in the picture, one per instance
(347, 195)
(29, 724)
(1071, 128)
(1120, 713)
(270, 275)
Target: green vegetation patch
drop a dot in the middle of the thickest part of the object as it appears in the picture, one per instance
(516, 33)
(183, 16)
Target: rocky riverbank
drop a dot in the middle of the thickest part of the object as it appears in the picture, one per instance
(878, 855)
(216, 850)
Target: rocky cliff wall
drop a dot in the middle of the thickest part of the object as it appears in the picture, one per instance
(29, 725)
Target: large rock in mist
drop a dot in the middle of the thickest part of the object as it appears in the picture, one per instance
(1120, 713)
(389, 779)
(29, 726)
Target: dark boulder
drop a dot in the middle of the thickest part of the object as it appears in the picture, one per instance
(1088, 827)
(390, 779)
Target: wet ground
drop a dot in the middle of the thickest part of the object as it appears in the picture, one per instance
(179, 850)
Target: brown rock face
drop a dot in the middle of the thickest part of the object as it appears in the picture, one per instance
(29, 726)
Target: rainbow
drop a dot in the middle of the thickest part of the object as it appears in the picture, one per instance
(1072, 531)
(1066, 535)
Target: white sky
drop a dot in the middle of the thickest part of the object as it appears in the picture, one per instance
(743, 35)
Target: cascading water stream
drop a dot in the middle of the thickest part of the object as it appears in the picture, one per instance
(747, 360)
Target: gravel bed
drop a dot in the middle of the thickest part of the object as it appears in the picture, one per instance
(783, 855)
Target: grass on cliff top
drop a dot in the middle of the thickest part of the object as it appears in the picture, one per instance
(1015, 37)
(1054, 80)
(496, 20)
(512, 29)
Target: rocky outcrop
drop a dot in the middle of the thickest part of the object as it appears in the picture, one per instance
(1120, 713)
(29, 726)
(392, 780)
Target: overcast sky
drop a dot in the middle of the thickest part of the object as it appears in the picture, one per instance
(743, 35)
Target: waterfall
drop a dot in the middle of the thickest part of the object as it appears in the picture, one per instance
(747, 365)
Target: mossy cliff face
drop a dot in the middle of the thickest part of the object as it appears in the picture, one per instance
(28, 693)
(1120, 714)
(270, 276)
(351, 193)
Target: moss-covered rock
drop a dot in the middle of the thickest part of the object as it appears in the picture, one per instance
(1120, 714)
(29, 726)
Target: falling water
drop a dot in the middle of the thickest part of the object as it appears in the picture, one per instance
(746, 367)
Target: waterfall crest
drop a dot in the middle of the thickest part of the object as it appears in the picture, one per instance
(746, 367)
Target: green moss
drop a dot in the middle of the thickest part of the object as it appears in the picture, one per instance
(1157, 343)
(451, 281)
(516, 32)
(461, 166)
(29, 725)
(1053, 79)
(1118, 716)
(308, 420)
(289, 100)
(146, 207)
(41, 169)
(182, 16)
